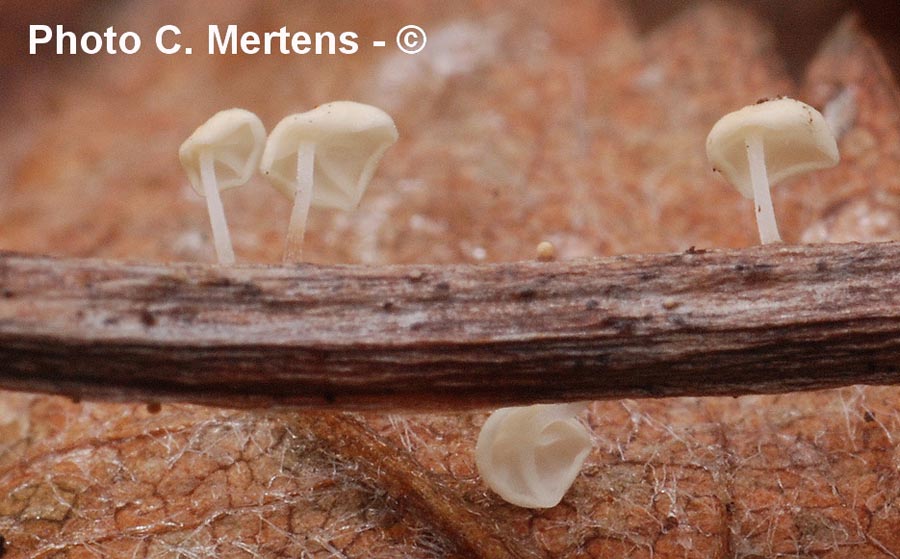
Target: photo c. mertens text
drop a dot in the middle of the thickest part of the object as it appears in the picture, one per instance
(169, 39)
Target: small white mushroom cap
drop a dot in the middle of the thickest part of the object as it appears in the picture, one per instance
(349, 138)
(796, 138)
(235, 138)
(530, 456)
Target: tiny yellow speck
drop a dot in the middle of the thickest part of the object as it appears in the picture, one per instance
(546, 251)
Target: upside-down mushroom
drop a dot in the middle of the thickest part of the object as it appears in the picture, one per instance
(531, 455)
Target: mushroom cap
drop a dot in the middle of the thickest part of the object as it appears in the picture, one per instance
(350, 139)
(235, 138)
(531, 455)
(795, 137)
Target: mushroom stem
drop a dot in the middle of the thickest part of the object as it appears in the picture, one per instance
(293, 248)
(221, 237)
(762, 197)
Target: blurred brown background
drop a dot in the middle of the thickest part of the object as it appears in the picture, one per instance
(800, 24)
(513, 118)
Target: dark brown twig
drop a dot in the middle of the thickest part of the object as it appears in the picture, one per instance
(765, 319)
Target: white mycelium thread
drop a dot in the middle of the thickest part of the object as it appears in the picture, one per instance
(530, 456)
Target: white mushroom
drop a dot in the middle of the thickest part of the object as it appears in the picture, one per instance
(325, 157)
(768, 142)
(530, 456)
(222, 153)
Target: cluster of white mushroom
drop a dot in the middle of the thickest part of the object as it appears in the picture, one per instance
(323, 157)
(529, 456)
